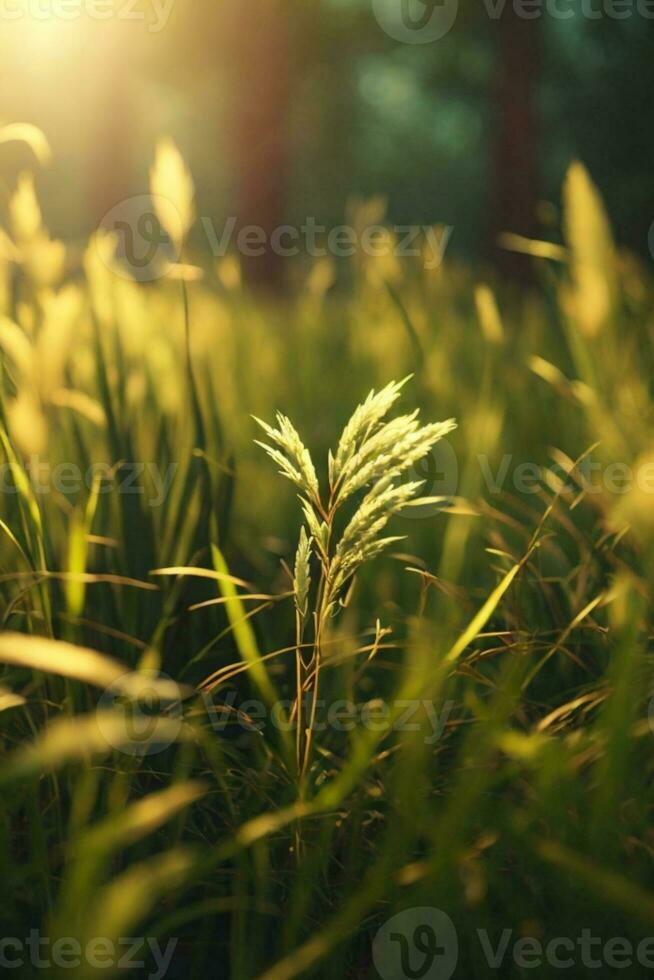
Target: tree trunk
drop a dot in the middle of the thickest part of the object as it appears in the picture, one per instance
(110, 106)
(516, 148)
(258, 131)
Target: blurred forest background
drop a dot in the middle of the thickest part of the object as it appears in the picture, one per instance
(285, 110)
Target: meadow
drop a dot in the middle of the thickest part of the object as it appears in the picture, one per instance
(479, 740)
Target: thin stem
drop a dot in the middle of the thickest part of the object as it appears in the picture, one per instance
(299, 682)
(323, 601)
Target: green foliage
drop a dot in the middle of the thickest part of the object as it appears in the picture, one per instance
(514, 619)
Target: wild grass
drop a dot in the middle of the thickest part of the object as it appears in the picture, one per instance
(511, 612)
(373, 454)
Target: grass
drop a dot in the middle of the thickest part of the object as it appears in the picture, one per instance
(483, 745)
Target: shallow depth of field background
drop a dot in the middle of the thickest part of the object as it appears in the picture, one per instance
(519, 602)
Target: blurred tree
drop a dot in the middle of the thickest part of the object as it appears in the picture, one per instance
(516, 149)
(286, 110)
(111, 148)
(598, 78)
(258, 46)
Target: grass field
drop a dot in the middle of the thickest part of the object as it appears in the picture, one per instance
(481, 742)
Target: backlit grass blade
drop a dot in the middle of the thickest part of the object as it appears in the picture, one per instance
(478, 622)
(78, 663)
(613, 886)
(142, 817)
(80, 739)
(78, 544)
(31, 518)
(10, 700)
(242, 630)
(30, 134)
(118, 908)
